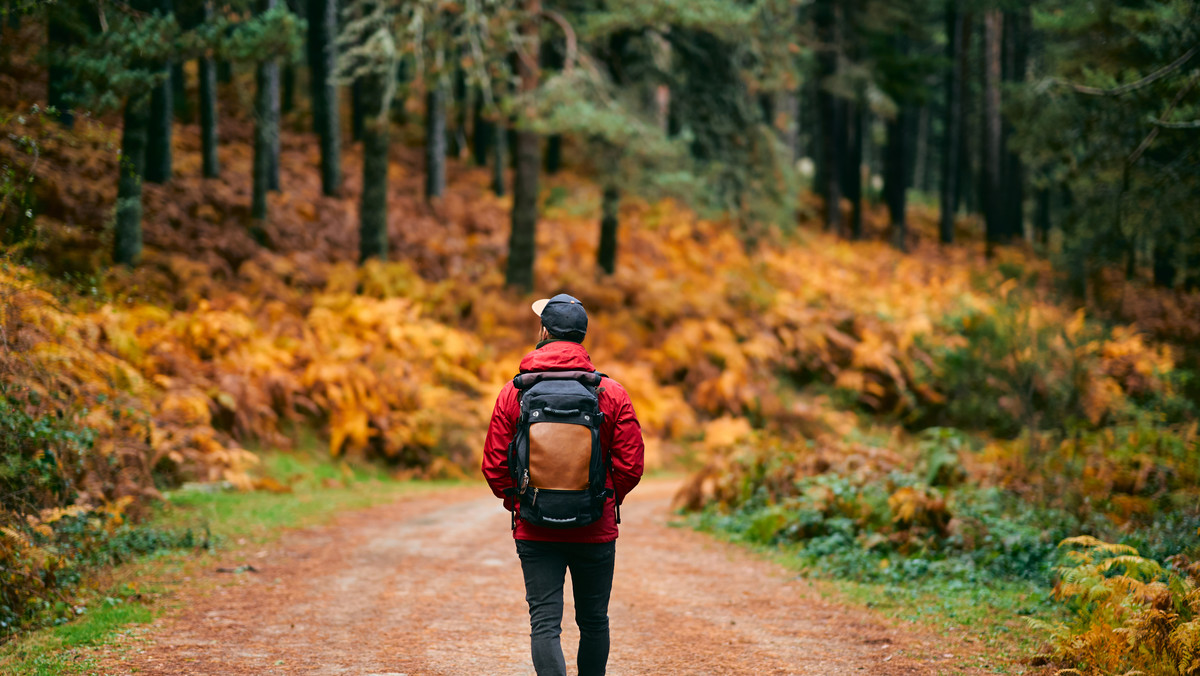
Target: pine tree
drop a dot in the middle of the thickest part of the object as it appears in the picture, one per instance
(162, 115)
(210, 165)
(522, 240)
(435, 139)
(127, 234)
(322, 31)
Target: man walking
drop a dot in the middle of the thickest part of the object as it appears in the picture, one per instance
(563, 450)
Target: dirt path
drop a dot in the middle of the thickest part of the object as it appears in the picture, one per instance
(431, 585)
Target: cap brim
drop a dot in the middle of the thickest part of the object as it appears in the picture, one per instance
(539, 305)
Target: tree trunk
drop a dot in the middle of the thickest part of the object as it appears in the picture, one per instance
(610, 207)
(499, 159)
(992, 194)
(189, 17)
(208, 118)
(459, 137)
(162, 114)
(844, 143)
(127, 235)
(896, 175)
(791, 101)
(1013, 177)
(273, 112)
(966, 190)
(158, 142)
(224, 72)
(435, 139)
(956, 28)
(207, 70)
(483, 132)
(920, 150)
(265, 129)
(373, 236)
(322, 27)
(830, 162)
(855, 160)
(59, 38)
(522, 240)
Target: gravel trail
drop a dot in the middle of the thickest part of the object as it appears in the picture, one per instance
(431, 585)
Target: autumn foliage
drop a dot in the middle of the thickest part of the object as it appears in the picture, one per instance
(794, 373)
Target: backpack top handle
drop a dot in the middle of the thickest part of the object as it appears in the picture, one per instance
(525, 381)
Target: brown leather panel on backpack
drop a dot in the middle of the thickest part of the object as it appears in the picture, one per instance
(559, 455)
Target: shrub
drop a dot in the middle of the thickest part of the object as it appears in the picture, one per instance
(1130, 614)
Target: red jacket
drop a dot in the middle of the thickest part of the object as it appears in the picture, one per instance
(620, 437)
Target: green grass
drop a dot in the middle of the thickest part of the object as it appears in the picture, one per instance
(117, 601)
(320, 489)
(990, 613)
(57, 650)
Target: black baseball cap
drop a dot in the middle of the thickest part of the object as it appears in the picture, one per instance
(563, 316)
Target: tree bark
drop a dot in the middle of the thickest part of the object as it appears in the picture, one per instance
(435, 139)
(1013, 177)
(610, 208)
(483, 132)
(829, 161)
(966, 189)
(162, 114)
(210, 166)
(956, 28)
(322, 52)
(373, 236)
(792, 134)
(266, 121)
(920, 149)
(189, 16)
(895, 177)
(127, 235)
(273, 111)
(855, 160)
(459, 137)
(499, 158)
(208, 118)
(992, 196)
(522, 240)
(158, 142)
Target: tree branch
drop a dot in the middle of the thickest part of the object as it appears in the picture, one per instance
(1193, 124)
(1133, 86)
(1137, 154)
(569, 59)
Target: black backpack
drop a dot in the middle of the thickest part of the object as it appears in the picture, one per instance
(555, 460)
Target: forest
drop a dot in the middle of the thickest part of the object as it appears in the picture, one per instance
(905, 290)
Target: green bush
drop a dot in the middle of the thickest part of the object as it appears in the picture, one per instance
(46, 544)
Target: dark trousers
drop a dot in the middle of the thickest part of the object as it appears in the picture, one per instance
(545, 565)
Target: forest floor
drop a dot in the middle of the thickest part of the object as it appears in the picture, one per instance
(430, 584)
